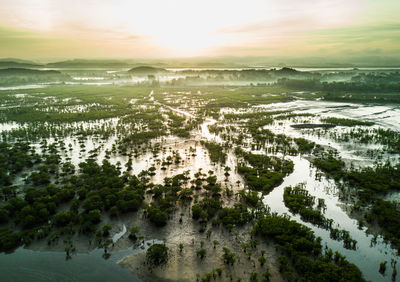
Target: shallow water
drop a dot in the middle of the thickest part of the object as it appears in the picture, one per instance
(32, 86)
(386, 117)
(9, 126)
(26, 265)
(119, 235)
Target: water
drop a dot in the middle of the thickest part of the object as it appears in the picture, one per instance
(119, 235)
(387, 115)
(32, 86)
(26, 265)
(384, 116)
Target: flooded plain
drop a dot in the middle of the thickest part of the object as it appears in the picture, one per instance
(371, 249)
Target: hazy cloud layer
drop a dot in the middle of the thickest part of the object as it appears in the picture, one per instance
(119, 28)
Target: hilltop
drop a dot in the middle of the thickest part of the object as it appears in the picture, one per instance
(24, 71)
(146, 70)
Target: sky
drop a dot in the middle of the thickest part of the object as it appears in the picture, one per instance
(52, 29)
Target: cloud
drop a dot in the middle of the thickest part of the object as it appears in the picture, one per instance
(359, 37)
(189, 27)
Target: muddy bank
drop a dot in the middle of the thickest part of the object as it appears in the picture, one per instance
(187, 266)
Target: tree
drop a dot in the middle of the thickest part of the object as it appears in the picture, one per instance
(133, 233)
(382, 267)
(228, 256)
(157, 255)
(4, 215)
(106, 244)
(201, 253)
(9, 240)
(62, 218)
(152, 171)
(106, 229)
(227, 169)
(196, 211)
(215, 243)
(94, 216)
(262, 260)
(266, 276)
(157, 216)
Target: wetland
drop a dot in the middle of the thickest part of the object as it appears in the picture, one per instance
(151, 174)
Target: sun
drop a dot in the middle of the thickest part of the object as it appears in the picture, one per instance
(186, 43)
(184, 28)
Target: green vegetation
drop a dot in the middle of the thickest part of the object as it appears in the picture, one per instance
(364, 86)
(216, 151)
(228, 256)
(133, 232)
(346, 121)
(18, 76)
(146, 70)
(293, 115)
(265, 172)
(305, 252)
(157, 254)
(13, 159)
(236, 216)
(67, 101)
(370, 183)
(99, 188)
(330, 164)
(385, 137)
(382, 267)
(299, 201)
(304, 146)
(387, 215)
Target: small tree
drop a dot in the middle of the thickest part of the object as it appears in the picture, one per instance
(382, 268)
(157, 255)
(215, 242)
(133, 233)
(227, 169)
(266, 276)
(106, 229)
(152, 171)
(201, 253)
(228, 256)
(106, 244)
(262, 260)
(253, 276)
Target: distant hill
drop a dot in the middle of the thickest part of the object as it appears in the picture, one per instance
(144, 70)
(28, 62)
(286, 70)
(23, 71)
(13, 63)
(22, 76)
(79, 63)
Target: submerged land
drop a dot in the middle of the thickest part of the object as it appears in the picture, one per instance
(199, 174)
